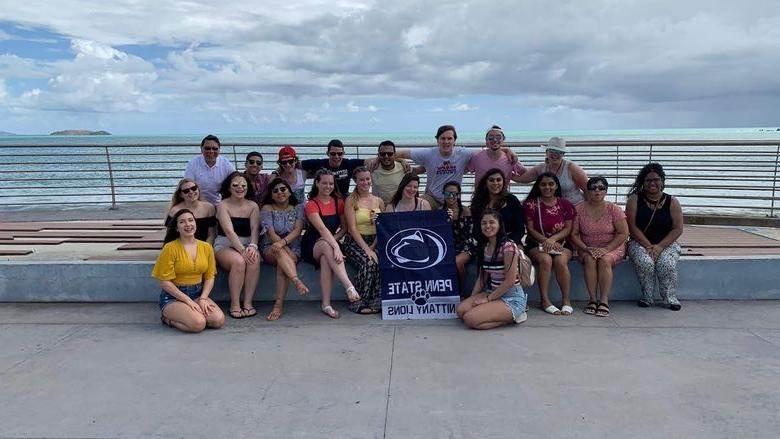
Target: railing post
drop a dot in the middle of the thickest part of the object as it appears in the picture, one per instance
(111, 180)
(774, 183)
(617, 171)
(235, 158)
(650, 159)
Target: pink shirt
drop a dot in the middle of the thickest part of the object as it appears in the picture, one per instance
(598, 232)
(481, 163)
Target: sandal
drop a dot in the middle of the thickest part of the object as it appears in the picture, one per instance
(366, 310)
(590, 308)
(352, 294)
(249, 312)
(300, 286)
(552, 309)
(237, 313)
(330, 312)
(566, 310)
(166, 322)
(276, 314)
(602, 310)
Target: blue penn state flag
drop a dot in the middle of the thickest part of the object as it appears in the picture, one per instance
(417, 265)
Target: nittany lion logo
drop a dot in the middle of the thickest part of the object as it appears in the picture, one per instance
(415, 249)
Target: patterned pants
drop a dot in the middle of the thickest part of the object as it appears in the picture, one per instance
(367, 280)
(664, 268)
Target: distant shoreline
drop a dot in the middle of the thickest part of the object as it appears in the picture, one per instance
(80, 133)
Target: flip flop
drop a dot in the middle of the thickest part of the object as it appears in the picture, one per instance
(249, 312)
(566, 310)
(552, 309)
(330, 312)
(236, 314)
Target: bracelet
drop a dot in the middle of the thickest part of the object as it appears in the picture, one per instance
(252, 244)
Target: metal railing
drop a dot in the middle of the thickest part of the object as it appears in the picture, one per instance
(737, 177)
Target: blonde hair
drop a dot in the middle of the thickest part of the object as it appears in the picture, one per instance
(354, 196)
(177, 198)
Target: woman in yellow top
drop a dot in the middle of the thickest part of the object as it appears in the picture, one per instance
(186, 269)
(359, 245)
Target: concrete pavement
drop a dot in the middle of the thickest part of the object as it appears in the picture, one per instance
(111, 370)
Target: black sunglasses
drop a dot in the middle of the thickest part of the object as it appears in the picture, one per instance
(386, 154)
(335, 154)
(254, 162)
(286, 162)
(189, 189)
(281, 189)
(211, 148)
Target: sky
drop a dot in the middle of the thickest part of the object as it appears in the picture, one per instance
(314, 66)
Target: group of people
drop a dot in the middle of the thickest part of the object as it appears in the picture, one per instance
(222, 217)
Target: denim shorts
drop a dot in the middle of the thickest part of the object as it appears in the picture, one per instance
(516, 299)
(191, 290)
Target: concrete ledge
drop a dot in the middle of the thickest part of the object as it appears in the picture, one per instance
(701, 278)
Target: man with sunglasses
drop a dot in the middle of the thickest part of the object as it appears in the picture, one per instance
(252, 171)
(209, 169)
(388, 175)
(336, 163)
(494, 157)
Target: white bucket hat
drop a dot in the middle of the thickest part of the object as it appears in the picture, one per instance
(556, 144)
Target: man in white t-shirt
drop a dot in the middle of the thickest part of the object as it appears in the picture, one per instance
(209, 169)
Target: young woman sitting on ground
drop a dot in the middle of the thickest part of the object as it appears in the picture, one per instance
(186, 270)
(497, 298)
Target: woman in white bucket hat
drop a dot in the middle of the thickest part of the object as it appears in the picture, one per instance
(574, 180)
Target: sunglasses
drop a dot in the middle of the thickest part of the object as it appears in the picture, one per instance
(254, 162)
(386, 154)
(189, 189)
(280, 189)
(448, 194)
(237, 185)
(495, 138)
(211, 148)
(336, 154)
(598, 188)
(286, 162)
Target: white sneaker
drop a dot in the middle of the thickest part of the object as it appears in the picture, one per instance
(522, 317)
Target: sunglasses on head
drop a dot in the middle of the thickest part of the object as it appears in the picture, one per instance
(597, 188)
(189, 189)
(254, 162)
(386, 154)
(211, 148)
(280, 189)
(287, 162)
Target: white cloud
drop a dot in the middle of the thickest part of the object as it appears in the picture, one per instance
(372, 109)
(351, 107)
(462, 107)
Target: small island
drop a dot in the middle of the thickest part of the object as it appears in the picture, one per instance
(80, 133)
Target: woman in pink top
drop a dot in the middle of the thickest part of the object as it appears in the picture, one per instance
(599, 234)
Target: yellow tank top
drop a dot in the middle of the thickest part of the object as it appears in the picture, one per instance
(363, 221)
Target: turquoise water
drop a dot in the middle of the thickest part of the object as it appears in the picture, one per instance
(768, 133)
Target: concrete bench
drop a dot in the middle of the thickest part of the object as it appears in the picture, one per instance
(723, 278)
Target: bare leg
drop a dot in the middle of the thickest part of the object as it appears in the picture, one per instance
(251, 278)
(234, 263)
(461, 261)
(182, 317)
(543, 263)
(323, 250)
(562, 274)
(605, 277)
(490, 315)
(591, 276)
(467, 305)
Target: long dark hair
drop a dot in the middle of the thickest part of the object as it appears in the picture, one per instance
(481, 197)
(224, 190)
(269, 199)
(639, 183)
(482, 240)
(317, 177)
(460, 202)
(536, 193)
(172, 233)
(399, 193)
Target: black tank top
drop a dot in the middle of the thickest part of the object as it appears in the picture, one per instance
(240, 225)
(662, 221)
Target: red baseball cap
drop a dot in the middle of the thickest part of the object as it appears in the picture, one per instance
(287, 152)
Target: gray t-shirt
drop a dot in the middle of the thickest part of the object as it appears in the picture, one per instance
(440, 170)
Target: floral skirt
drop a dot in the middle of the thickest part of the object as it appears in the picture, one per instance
(367, 279)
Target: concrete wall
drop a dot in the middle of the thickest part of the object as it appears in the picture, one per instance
(103, 281)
